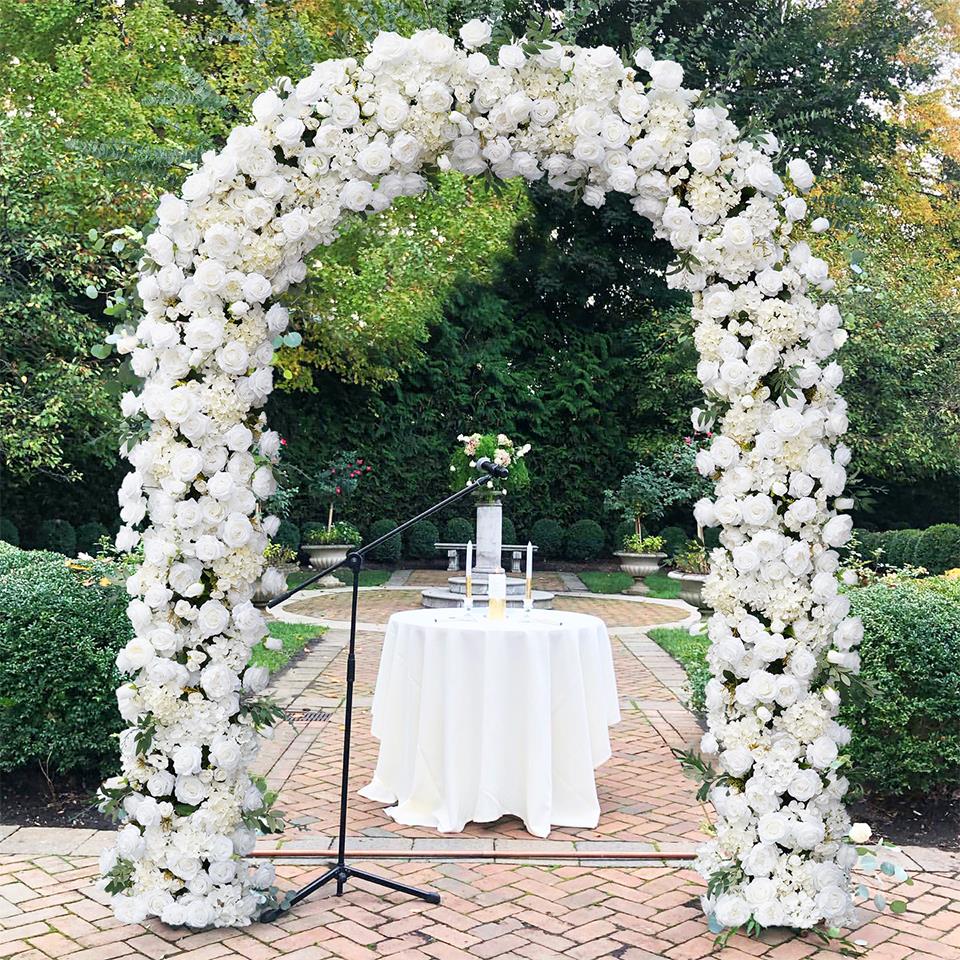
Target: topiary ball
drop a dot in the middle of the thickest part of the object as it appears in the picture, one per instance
(288, 535)
(390, 551)
(88, 537)
(583, 541)
(674, 540)
(422, 539)
(458, 530)
(938, 548)
(547, 535)
(58, 536)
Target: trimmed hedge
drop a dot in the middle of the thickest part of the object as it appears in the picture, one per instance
(57, 535)
(899, 546)
(938, 548)
(288, 535)
(88, 537)
(548, 536)
(9, 533)
(906, 739)
(508, 531)
(458, 530)
(583, 541)
(421, 540)
(390, 551)
(60, 632)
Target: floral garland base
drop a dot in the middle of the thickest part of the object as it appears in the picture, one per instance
(347, 140)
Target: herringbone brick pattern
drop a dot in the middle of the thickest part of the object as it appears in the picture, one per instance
(49, 910)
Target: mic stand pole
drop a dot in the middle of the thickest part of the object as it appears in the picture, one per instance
(341, 871)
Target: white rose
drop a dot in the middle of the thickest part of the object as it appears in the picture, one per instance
(860, 833)
(226, 753)
(632, 104)
(820, 225)
(774, 827)
(389, 47)
(800, 174)
(160, 784)
(375, 158)
(212, 619)
(475, 33)
(289, 131)
(236, 530)
(233, 357)
(805, 785)
(738, 234)
(218, 680)
(769, 281)
(434, 47)
(833, 902)
(511, 56)
(435, 97)
(543, 111)
(405, 149)
(665, 74)
(392, 111)
(837, 530)
(256, 288)
(822, 752)
(171, 210)
(704, 155)
(190, 789)
(208, 548)
(736, 761)
(718, 301)
(795, 208)
(731, 910)
(356, 195)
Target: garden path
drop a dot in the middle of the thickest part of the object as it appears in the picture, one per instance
(496, 910)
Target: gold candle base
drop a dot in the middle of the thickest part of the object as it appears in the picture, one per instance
(497, 608)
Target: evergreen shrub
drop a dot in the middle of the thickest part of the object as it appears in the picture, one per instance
(548, 536)
(58, 536)
(9, 533)
(60, 632)
(390, 551)
(906, 738)
(583, 541)
(88, 537)
(421, 540)
(458, 530)
(938, 548)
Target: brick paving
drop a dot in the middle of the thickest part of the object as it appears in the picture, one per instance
(50, 910)
(49, 907)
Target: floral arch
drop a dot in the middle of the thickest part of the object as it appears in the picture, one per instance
(349, 138)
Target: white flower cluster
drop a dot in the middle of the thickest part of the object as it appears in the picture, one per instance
(349, 138)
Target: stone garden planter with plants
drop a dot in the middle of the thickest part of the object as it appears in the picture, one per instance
(640, 557)
(325, 546)
(691, 570)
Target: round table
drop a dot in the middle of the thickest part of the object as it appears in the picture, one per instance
(478, 718)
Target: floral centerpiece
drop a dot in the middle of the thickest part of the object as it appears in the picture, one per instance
(501, 450)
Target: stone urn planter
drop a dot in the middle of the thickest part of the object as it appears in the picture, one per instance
(691, 587)
(638, 566)
(323, 555)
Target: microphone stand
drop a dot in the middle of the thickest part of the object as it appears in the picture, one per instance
(341, 871)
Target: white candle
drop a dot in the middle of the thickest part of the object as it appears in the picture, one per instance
(529, 569)
(469, 570)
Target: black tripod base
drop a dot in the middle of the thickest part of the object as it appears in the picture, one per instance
(341, 873)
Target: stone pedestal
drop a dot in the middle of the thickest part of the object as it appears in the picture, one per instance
(489, 537)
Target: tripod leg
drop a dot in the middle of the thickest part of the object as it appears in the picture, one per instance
(336, 871)
(393, 885)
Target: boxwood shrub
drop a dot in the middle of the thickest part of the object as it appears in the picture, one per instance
(548, 536)
(390, 551)
(906, 739)
(421, 540)
(60, 631)
(900, 546)
(583, 541)
(675, 540)
(458, 530)
(88, 537)
(508, 531)
(938, 548)
(288, 535)
(8, 532)
(57, 535)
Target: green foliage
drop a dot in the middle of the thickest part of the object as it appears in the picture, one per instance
(691, 651)
(674, 540)
(583, 541)
(390, 551)
(692, 558)
(421, 539)
(643, 495)
(938, 548)
(899, 546)
(907, 736)
(547, 535)
(288, 535)
(508, 530)
(457, 530)
(601, 581)
(60, 631)
(341, 532)
(88, 537)
(58, 536)
(9, 532)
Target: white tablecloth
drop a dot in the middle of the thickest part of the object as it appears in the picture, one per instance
(477, 719)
